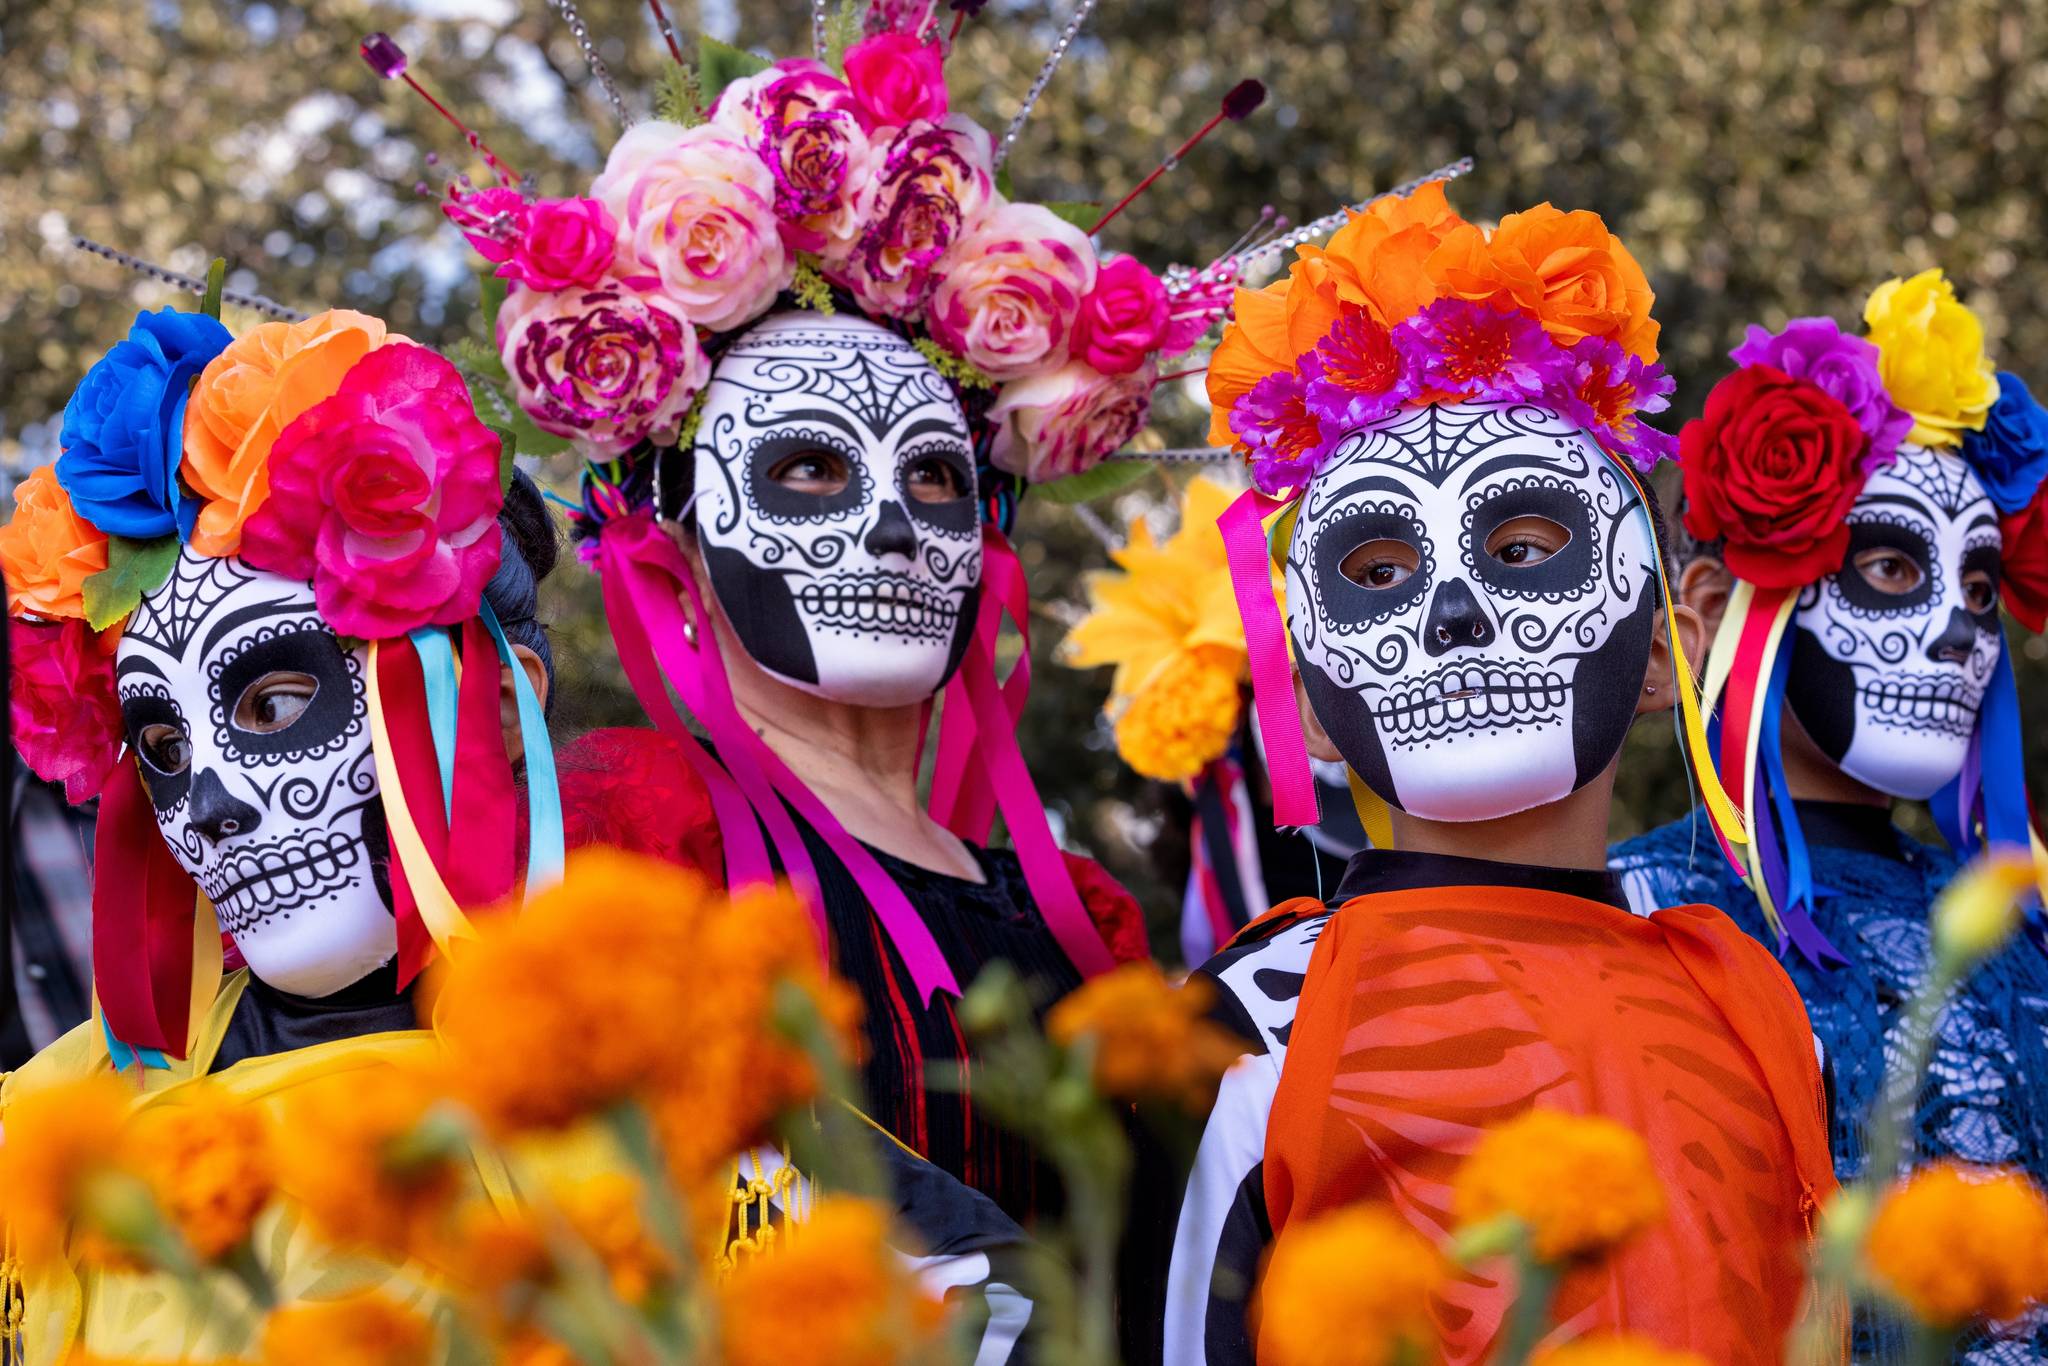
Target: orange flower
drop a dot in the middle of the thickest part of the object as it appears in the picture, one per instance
(207, 1159)
(1254, 346)
(604, 1211)
(1959, 1243)
(1566, 269)
(56, 1140)
(1580, 1183)
(1150, 1037)
(833, 1292)
(1350, 1288)
(1615, 1349)
(250, 393)
(351, 1163)
(1184, 716)
(47, 550)
(363, 1329)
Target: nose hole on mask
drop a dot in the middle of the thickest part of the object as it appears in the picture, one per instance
(892, 533)
(1455, 620)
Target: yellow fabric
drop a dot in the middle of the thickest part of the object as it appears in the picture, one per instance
(1372, 812)
(438, 912)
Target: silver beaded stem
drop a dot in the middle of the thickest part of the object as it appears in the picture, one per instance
(818, 8)
(1193, 455)
(581, 32)
(1052, 64)
(1330, 222)
(190, 284)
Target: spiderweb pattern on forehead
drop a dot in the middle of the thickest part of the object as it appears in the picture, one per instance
(876, 378)
(1943, 477)
(168, 619)
(1435, 441)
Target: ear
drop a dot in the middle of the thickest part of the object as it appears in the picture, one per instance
(1660, 680)
(1704, 586)
(508, 699)
(1312, 732)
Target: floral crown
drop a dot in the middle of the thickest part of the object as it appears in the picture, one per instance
(1410, 304)
(1789, 439)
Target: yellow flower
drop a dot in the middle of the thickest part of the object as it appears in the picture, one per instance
(834, 1292)
(1980, 908)
(1347, 1289)
(363, 1329)
(354, 1165)
(1958, 1243)
(604, 1211)
(1615, 1349)
(1150, 1038)
(1182, 720)
(55, 1141)
(1580, 1183)
(207, 1159)
(1931, 356)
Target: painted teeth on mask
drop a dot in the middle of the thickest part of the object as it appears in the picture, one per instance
(1920, 704)
(253, 884)
(880, 605)
(1469, 698)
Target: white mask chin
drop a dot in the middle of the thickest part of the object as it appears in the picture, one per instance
(1892, 653)
(1471, 593)
(836, 509)
(250, 726)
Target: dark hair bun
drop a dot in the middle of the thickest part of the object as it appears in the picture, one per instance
(531, 547)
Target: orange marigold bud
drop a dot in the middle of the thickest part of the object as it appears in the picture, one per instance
(1615, 1349)
(55, 1141)
(604, 1211)
(1350, 1288)
(1580, 1183)
(363, 1329)
(1958, 1244)
(354, 1167)
(207, 1158)
(1150, 1037)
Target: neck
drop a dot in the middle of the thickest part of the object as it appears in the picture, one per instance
(1568, 833)
(1810, 776)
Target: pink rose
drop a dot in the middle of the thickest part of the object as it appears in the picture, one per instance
(67, 717)
(932, 183)
(696, 215)
(386, 496)
(897, 80)
(606, 367)
(802, 122)
(1062, 422)
(493, 220)
(1123, 319)
(1009, 291)
(567, 242)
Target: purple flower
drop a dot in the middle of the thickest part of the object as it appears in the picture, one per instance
(1605, 389)
(1841, 366)
(1466, 349)
(1356, 373)
(1284, 438)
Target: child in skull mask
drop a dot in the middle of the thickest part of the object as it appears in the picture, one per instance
(1473, 593)
(1887, 560)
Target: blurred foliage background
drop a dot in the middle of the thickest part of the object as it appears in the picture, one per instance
(1762, 159)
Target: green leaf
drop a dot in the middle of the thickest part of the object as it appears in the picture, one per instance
(677, 98)
(216, 278)
(1082, 213)
(134, 569)
(1111, 476)
(720, 64)
(842, 31)
(493, 291)
(508, 446)
(532, 439)
(1004, 186)
(479, 361)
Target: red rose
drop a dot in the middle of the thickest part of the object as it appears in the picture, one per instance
(2023, 572)
(67, 719)
(1771, 469)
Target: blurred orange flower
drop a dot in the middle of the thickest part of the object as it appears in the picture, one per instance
(1151, 1038)
(1959, 1243)
(355, 1163)
(250, 393)
(363, 1329)
(1350, 1288)
(207, 1159)
(1581, 1183)
(1615, 1349)
(47, 550)
(57, 1139)
(604, 1211)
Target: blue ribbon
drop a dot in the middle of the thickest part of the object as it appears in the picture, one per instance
(1793, 892)
(544, 840)
(123, 1057)
(437, 666)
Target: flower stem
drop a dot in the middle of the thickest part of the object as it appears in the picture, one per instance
(1529, 1315)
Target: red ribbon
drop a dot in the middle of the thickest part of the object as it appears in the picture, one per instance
(143, 906)
(484, 817)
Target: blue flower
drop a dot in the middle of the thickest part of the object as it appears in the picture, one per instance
(124, 428)
(2011, 454)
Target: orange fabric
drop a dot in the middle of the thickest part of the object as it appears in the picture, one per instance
(1428, 1016)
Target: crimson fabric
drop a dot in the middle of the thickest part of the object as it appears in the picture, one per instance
(401, 685)
(143, 905)
(1430, 1015)
(485, 805)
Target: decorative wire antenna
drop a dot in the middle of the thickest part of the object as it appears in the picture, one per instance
(818, 8)
(1186, 455)
(191, 284)
(1052, 64)
(581, 32)
(1330, 222)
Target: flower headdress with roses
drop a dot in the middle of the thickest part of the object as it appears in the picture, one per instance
(1772, 468)
(325, 450)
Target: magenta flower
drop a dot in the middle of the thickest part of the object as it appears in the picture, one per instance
(1605, 389)
(566, 243)
(932, 184)
(1839, 365)
(606, 367)
(67, 720)
(897, 80)
(1356, 374)
(1123, 319)
(1467, 349)
(493, 220)
(1283, 438)
(803, 123)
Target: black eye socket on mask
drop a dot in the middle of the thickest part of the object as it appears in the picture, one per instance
(805, 474)
(1533, 540)
(1889, 568)
(1371, 563)
(285, 694)
(936, 482)
(157, 733)
(1982, 568)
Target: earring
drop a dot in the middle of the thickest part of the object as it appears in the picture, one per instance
(1650, 688)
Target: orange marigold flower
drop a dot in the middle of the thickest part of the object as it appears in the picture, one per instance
(363, 1329)
(47, 550)
(1565, 268)
(246, 396)
(1350, 1288)
(834, 1292)
(1254, 346)
(1580, 1183)
(1959, 1243)
(604, 1211)
(1150, 1037)
(1183, 717)
(55, 1141)
(351, 1163)
(207, 1158)
(1615, 1349)
(489, 1250)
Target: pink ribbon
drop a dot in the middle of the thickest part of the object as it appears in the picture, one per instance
(1246, 550)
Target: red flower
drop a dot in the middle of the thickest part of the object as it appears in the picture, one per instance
(1771, 469)
(67, 719)
(2023, 572)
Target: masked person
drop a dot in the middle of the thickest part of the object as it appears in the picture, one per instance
(1856, 593)
(227, 598)
(1475, 602)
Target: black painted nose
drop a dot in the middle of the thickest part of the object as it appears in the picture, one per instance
(1956, 640)
(892, 533)
(1455, 619)
(218, 815)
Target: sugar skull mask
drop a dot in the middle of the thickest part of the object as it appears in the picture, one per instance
(1471, 596)
(836, 510)
(1892, 653)
(249, 721)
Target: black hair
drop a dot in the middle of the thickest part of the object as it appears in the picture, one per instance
(531, 547)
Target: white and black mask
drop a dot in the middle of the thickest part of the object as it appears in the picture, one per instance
(836, 509)
(1471, 593)
(251, 727)
(1892, 653)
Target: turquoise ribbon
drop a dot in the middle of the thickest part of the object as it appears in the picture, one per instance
(544, 841)
(437, 667)
(123, 1057)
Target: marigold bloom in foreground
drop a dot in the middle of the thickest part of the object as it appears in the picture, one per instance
(835, 1292)
(347, 1164)
(1980, 908)
(365, 1329)
(1958, 1244)
(208, 1161)
(56, 1139)
(1616, 1349)
(1184, 718)
(1150, 1037)
(604, 1211)
(1579, 1182)
(1347, 1289)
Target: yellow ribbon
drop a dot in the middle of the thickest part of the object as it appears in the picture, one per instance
(444, 920)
